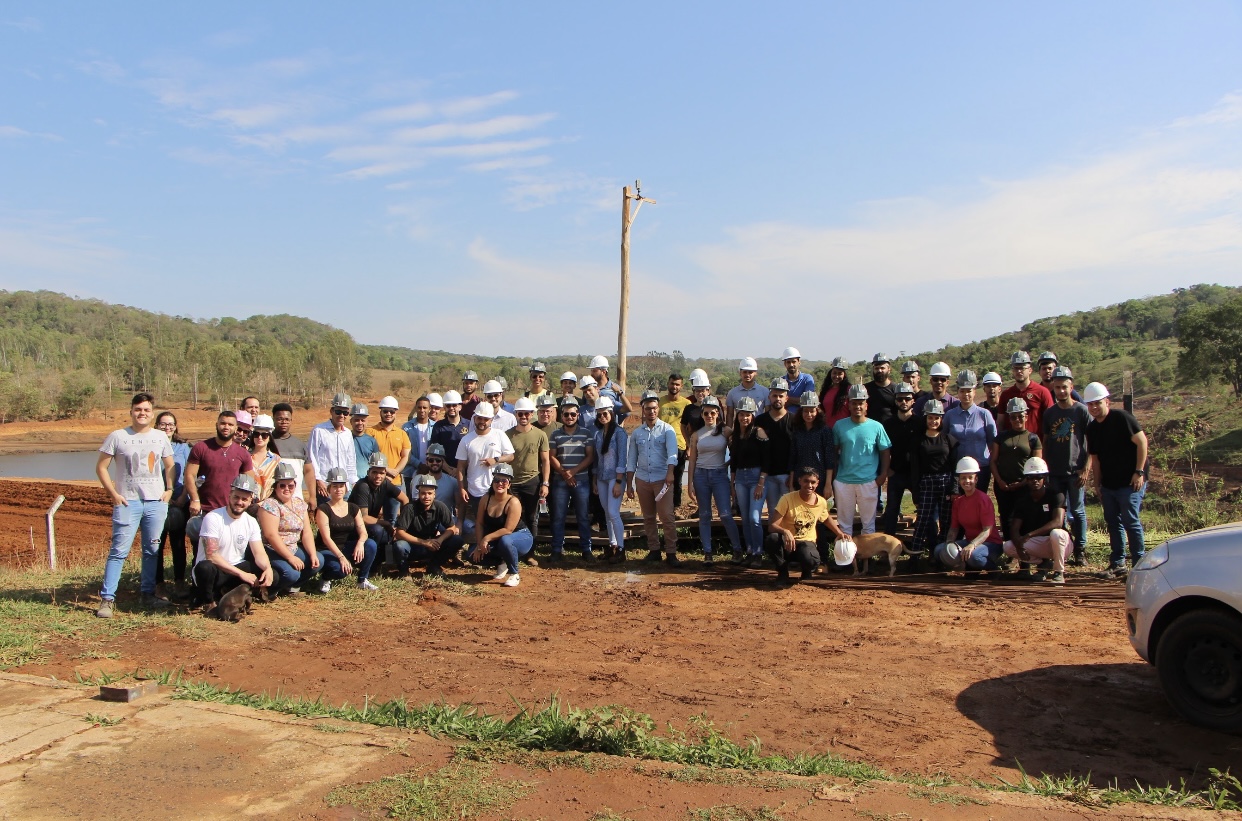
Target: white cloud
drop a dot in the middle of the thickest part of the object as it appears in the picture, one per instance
(41, 244)
(27, 24)
(13, 132)
(478, 130)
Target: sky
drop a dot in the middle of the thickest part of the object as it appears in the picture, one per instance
(842, 177)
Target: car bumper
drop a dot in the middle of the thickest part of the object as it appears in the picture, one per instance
(1147, 591)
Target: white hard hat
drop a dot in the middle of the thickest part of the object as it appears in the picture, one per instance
(697, 372)
(1035, 467)
(790, 353)
(389, 402)
(948, 554)
(700, 380)
(748, 364)
(600, 362)
(436, 400)
(524, 404)
(485, 410)
(967, 464)
(844, 551)
(570, 375)
(604, 403)
(1094, 392)
(492, 386)
(992, 378)
(264, 422)
(941, 369)
(587, 380)
(452, 398)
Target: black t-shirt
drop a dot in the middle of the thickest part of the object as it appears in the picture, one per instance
(1035, 515)
(901, 434)
(1111, 441)
(779, 439)
(930, 454)
(692, 417)
(881, 401)
(424, 524)
(371, 499)
(342, 529)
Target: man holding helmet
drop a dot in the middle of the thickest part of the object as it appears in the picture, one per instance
(973, 542)
(1038, 525)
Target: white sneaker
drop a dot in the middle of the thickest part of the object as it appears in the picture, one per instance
(513, 581)
(501, 572)
(365, 584)
(324, 587)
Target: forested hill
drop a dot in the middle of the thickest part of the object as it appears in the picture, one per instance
(59, 355)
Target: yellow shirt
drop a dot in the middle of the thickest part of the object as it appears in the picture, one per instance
(670, 412)
(803, 516)
(392, 443)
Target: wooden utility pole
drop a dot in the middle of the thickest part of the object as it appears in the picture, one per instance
(627, 219)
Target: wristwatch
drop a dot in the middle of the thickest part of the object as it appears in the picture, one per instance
(1141, 472)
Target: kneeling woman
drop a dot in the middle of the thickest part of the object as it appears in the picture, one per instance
(973, 542)
(340, 529)
(794, 533)
(503, 536)
(285, 525)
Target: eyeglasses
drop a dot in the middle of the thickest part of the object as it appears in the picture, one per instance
(940, 379)
(434, 460)
(169, 425)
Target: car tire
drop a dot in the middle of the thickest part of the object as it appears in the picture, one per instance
(1199, 661)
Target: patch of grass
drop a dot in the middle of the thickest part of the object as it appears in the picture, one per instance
(101, 721)
(936, 796)
(463, 789)
(733, 812)
(96, 655)
(1222, 792)
(331, 728)
(606, 814)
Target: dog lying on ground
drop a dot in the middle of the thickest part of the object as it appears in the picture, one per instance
(235, 603)
(877, 544)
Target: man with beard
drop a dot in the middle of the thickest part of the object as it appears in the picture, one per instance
(747, 370)
(531, 465)
(774, 478)
(448, 432)
(881, 392)
(478, 452)
(672, 405)
(376, 497)
(470, 398)
(218, 461)
(418, 430)
(799, 383)
(229, 535)
(425, 532)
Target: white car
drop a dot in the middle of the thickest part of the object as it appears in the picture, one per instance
(1184, 612)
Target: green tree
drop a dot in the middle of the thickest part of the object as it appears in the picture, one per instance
(1211, 343)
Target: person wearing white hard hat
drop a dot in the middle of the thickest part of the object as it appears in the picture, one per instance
(569, 383)
(611, 443)
(1037, 529)
(747, 371)
(973, 427)
(330, 445)
(478, 452)
(799, 382)
(973, 543)
(692, 414)
(494, 393)
(1065, 449)
(834, 397)
(418, 431)
(672, 405)
(1118, 449)
(394, 442)
(449, 431)
(748, 458)
(470, 397)
(650, 462)
(709, 476)
(264, 457)
(862, 464)
(572, 452)
(227, 535)
(1035, 395)
(993, 386)
(1013, 447)
(931, 480)
(939, 378)
(610, 388)
(436, 413)
(538, 382)
(586, 407)
(531, 463)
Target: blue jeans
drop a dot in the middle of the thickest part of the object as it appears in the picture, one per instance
(283, 574)
(558, 507)
(331, 569)
(126, 520)
(612, 509)
(773, 490)
(745, 481)
(1121, 516)
(1075, 507)
(509, 548)
(713, 483)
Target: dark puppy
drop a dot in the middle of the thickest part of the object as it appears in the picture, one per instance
(235, 603)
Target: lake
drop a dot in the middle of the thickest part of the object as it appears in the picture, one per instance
(71, 465)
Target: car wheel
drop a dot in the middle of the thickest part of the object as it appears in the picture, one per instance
(1199, 660)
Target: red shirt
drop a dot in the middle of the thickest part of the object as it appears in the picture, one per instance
(974, 513)
(1038, 399)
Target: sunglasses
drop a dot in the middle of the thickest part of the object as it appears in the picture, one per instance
(340, 411)
(905, 399)
(434, 460)
(265, 434)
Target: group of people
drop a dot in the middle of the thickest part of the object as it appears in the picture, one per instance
(471, 468)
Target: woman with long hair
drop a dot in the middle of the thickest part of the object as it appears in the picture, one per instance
(174, 522)
(610, 449)
(287, 535)
(264, 454)
(834, 398)
(748, 454)
(932, 456)
(341, 529)
(706, 460)
(503, 536)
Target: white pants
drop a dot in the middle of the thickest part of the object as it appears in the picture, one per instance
(1056, 546)
(862, 498)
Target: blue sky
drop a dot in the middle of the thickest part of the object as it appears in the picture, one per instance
(841, 177)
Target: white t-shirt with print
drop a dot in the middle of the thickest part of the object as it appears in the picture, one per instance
(138, 460)
(234, 535)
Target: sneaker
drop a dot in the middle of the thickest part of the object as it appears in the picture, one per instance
(1077, 561)
(806, 574)
(513, 581)
(324, 587)
(365, 584)
(501, 573)
(738, 557)
(1113, 573)
(782, 576)
(707, 558)
(105, 609)
(1039, 575)
(557, 557)
(150, 601)
(433, 573)
(588, 556)
(1055, 577)
(619, 556)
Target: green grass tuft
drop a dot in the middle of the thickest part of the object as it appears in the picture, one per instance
(464, 789)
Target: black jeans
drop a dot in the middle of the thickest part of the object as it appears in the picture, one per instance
(529, 497)
(806, 554)
(678, 473)
(174, 534)
(212, 582)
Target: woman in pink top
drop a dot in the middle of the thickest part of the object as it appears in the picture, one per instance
(835, 396)
(973, 542)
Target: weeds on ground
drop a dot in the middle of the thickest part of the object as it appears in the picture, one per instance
(733, 812)
(1222, 792)
(101, 721)
(464, 789)
(607, 814)
(937, 796)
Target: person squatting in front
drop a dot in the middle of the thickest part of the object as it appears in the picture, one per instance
(503, 535)
(973, 542)
(804, 524)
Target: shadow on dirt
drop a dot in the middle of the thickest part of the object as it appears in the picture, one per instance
(1109, 721)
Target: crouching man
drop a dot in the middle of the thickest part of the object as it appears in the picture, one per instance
(796, 534)
(230, 547)
(973, 542)
(1038, 523)
(425, 531)
(379, 501)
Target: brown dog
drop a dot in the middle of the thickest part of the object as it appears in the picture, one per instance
(877, 544)
(235, 603)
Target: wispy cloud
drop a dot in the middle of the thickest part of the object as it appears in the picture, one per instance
(28, 24)
(13, 132)
(47, 243)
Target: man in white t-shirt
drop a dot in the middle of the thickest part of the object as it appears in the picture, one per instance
(144, 482)
(478, 452)
(227, 533)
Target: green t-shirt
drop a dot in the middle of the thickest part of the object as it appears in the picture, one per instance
(526, 449)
